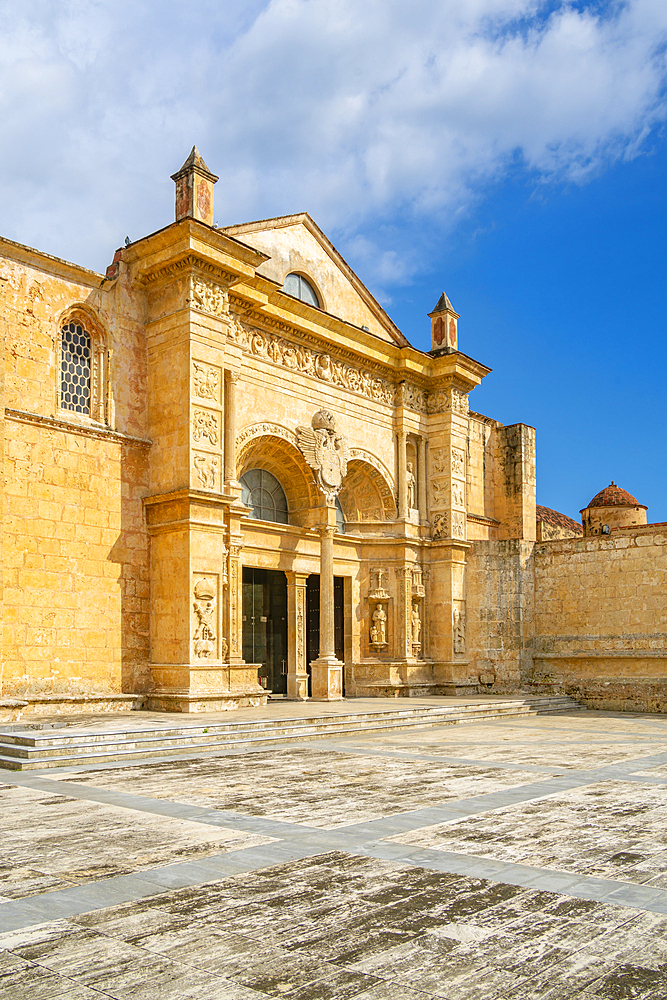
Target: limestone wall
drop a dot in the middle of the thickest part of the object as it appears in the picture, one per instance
(75, 570)
(601, 619)
(500, 589)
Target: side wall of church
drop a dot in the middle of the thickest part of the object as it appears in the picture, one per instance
(75, 547)
(501, 599)
(601, 619)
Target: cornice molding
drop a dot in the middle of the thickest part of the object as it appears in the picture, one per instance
(103, 433)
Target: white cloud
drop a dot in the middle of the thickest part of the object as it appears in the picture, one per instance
(355, 110)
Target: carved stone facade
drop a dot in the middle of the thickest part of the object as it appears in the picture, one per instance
(134, 547)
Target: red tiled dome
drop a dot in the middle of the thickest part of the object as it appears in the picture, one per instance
(614, 496)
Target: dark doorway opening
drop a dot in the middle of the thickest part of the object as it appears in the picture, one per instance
(313, 621)
(265, 625)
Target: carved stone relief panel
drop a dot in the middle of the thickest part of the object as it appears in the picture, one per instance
(206, 381)
(206, 426)
(458, 494)
(439, 461)
(205, 609)
(439, 493)
(207, 470)
(209, 297)
(445, 400)
(440, 522)
(458, 524)
(458, 463)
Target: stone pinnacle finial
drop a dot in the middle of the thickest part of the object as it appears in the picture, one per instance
(444, 328)
(194, 189)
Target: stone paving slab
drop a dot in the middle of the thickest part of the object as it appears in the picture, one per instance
(406, 866)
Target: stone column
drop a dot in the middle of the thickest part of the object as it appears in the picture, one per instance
(297, 674)
(231, 378)
(421, 483)
(402, 474)
(326, 670)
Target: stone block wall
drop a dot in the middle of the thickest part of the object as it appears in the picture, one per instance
(601, 619)
(75, 562)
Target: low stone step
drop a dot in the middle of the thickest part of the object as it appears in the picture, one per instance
(20, 751)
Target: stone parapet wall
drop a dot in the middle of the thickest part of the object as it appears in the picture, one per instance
(601, 619)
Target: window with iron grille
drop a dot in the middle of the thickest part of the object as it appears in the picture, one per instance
(75, 368)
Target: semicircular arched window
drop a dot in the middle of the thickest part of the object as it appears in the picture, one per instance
(265, 495)
(301, 288)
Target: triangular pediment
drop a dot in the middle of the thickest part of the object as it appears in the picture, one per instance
(296, 245)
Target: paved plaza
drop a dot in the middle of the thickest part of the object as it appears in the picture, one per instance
(519, 857)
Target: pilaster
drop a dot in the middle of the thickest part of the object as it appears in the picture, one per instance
(297, 676)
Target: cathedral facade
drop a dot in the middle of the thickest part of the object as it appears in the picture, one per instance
(229, 475)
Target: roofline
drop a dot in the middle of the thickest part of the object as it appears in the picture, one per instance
(26, 255)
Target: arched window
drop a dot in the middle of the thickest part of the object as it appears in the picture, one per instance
(301, 288)
(340, 518)
(84, 367)
(75, 368)
(265, 495)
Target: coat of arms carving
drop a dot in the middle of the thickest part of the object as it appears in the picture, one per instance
(326, 452)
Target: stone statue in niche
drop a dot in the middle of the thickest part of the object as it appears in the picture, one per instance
(411, 484)
(415, 625)
(204, 607)
(459, 631)
(379, 626)
(326, 452)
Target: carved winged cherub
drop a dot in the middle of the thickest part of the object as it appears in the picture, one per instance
(326, 452)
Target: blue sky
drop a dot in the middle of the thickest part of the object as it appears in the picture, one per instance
(511, 152)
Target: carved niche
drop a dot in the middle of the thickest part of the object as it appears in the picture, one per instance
(416, 628)
(379, 623)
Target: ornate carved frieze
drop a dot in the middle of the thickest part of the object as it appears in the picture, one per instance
(284, 352)
(448, 400)
(264, 429)
(411, 396)
(206, 381)
(190, 262)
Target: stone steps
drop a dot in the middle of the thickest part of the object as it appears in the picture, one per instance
(23, 748)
